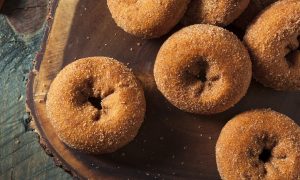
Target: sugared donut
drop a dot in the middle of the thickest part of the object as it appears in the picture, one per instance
(273, 43)
(203, 69)
(147, 18)
(253, 9)
(96, 105)
(259, 144)
(220, 12)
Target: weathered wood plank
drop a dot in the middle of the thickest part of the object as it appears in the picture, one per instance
(21, 156)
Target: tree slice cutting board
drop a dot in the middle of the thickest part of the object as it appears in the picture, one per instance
(171, 144)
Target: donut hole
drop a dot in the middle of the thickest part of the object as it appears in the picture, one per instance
(198, 70)
(83, 91)
(202, 74)
(292, 57)
(265, 155)
(96, 99)
(96, 102)
(267, 143)
(87, 94)
(293, 52)
(200, 77)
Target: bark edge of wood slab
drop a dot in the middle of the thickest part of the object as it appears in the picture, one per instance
(29, 96)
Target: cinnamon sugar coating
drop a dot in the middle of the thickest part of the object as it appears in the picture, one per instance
(96, 105)
(203, 69)
(259, 144)
(147, 18)
(273, 43)
(215, 12)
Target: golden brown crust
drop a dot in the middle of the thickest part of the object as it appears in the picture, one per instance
(203, 69)
(273, 42)
(147, 18)
(259, 144)
(252, 10)
(84, 126)
(221, 12)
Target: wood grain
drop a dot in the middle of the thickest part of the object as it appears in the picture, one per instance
(26, 17)
(21, 156)
(171, 144)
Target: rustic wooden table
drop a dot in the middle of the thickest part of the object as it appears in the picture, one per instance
(22, 26)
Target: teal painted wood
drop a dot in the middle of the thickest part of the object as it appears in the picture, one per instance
(21, 156)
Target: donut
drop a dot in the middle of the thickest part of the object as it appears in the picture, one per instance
(273, 42)
(259, 144)
(96, 105)
(203, 69)
(253, 9)
(220, 13)
(147, 18)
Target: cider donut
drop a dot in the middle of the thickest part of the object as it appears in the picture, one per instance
(220, 13)
(96, 105)
(147, 18)
(259, 144)
(273, 43)
(203, 69)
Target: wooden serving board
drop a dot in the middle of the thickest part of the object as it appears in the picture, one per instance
(1, 3)
(171, 144)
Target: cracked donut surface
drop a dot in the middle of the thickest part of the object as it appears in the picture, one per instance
(147, 18)
(203, 69)
(273, 43)
(96, 105)
(259, 144)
